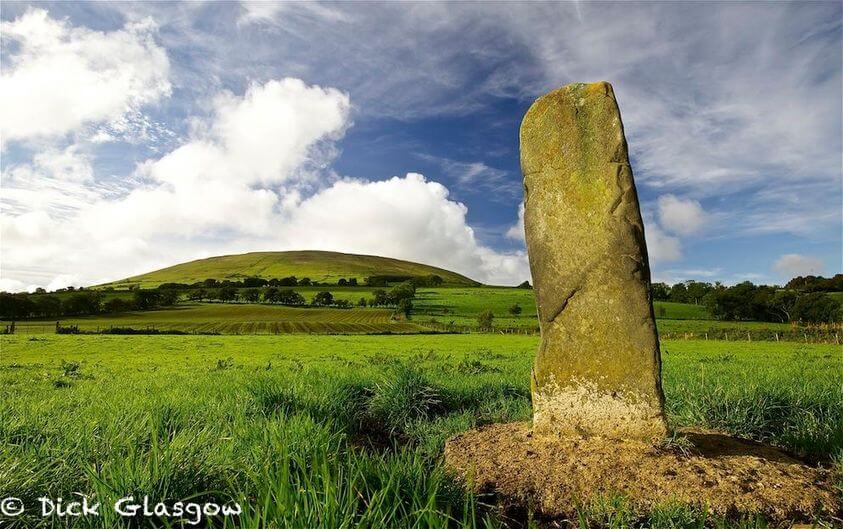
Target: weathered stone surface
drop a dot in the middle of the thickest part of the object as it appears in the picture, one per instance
(598, 368)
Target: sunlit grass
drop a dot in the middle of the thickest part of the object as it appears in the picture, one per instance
(344, 431)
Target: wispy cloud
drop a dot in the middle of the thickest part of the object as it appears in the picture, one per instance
(477, 177)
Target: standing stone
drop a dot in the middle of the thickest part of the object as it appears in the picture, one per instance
(598, 368)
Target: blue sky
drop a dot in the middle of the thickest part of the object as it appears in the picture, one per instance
(139, 135)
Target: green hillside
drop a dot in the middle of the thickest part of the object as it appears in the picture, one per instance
(319, 266)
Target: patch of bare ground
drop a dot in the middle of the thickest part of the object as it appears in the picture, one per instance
(554, 474)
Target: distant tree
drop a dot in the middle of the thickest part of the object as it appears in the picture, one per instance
(169, 286)
(305, 282)
(405, 290)
(405, 307)
(210, 283)
(289, 296)
(47, 306)
(84, 303)
(197, 294)
(526, 285)
(251, 295)
(816, 283)
(168, 298)
(781, 304)
(679, 293)
(270, 295)
(342, 303)
(15, 306)
(485, 319)
(117, 305)
(515, 310)
(323, 299)
(352, 282)
(362, 302)
(227, 294)
(379, 298)
(252, 282)
(146, 299)
(376, 281)
(40, 290)
(816, 307)
(743, 301)
(343, 282)
(660, 291)
(697, 291)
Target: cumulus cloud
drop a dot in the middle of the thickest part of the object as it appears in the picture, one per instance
(241, 182)
(409, 218)
(793, 264)
(220, 182)
(58, 78)
(516, 231)
(680, 216)
(661, 247)
(719, 100)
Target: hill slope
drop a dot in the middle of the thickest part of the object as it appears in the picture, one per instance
(317, 265)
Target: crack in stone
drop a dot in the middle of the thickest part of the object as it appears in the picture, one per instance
(564, 303)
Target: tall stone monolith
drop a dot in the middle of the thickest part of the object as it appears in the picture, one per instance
(598, 368)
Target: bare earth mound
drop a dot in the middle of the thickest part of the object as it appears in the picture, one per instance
(553, 474)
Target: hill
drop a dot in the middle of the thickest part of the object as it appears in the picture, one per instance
(327, 267)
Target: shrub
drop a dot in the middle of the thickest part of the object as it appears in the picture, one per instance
(323, 299)
(485, 319)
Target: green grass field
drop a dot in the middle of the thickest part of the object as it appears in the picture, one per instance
(237, 318)
(436, 309)
(318, 266)
(463, 305)
(348, 431)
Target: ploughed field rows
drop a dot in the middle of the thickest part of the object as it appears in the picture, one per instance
(224, 318)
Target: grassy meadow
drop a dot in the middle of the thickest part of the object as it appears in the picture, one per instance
(237, 318)
(445, 309)
(347, 431)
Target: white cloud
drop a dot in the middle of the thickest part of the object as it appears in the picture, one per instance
(60, 78)
(220, 185)
(269, 12)
(661, 247)
(793, 264)
(240, 183)
(516, 231)
(680, 216)
(716, 99)
(409, 218)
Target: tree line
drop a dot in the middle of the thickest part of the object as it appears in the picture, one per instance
(747, 301)
(82, 303)
(88, 302)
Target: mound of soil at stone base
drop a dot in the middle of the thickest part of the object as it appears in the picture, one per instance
(553, 475)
